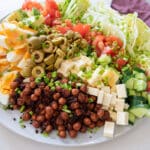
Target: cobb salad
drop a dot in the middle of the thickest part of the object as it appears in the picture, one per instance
(73, 67)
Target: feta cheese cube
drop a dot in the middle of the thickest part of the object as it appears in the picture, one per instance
(106, 89)
(121, 91)
(119, 106)
(114, 98)
(109, 128)
(122, 118)
(92, 91)
(4, 99)
(126, 106)
(107, 99)
(100, 97)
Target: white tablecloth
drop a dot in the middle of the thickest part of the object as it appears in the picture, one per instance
(136, 139)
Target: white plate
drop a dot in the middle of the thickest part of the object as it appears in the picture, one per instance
(6, 119)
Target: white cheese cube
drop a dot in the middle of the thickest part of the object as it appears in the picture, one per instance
(106, 89)
(107, 99)
(109, 128)
(3, 41)
(121, 91)
(122, 118)
(126, 106)
(105, 107)
(4, 99)
(100, 97)
(92, 91)
(114, 98)
(119, 106)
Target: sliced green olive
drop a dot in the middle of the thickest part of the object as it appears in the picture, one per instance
(48, 47)
(60, 53)
(83, 43)
(50, 67)
(43, 38)
(37, 56)
(77, 36)
(69, 35)
(37, 71)
(34, 43)
(58, 62)
(49, 60)
(59, 40)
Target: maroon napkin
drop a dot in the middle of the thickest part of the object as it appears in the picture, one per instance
(130, 6)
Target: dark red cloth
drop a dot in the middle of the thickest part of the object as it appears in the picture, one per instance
(129, 6)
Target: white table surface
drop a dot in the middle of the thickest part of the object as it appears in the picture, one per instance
(137, 139)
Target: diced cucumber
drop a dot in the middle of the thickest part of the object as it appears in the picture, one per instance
(140, 110)
(130, 83)
(148, 113)
(132, 92)
(140, 76)
(137, 69)
(132, 118)
(139, 85)
(145, 94)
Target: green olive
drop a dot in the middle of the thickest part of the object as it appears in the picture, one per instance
(50, 67)
(34, 43)
(42, 65)
(49, 60)
(77, 36)
(60, 53)
(43, 38)
(37, 56)
(83, 43)
(69, 35)
(48, 47)
(70, 53)
(58, 62)
(37, 71)
(59, 40)
(27, 69)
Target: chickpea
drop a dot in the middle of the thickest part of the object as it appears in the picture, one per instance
(94, 117)
(61, 128)
(78, 112)
(73, 133)
(41, 106)
(40, 118)
(26, 116)
(48, 129)
(87, 121)
(58, 89)
(100, 113)
(83, 88)
(32, 79)
(62, 101)
(59, 121)
(48, 116)
(64, 80)
(81, 97)
(99, 123)
(75, 92)
(65, 92)
(54, 105)
(74, 105)
(14, 85)
(34, 97)
(106, 115)
(83, 129)
(62, 134)
(43, 112)
(32, 85)
(77, 126)
(37, 92)
(33, 117)
(49, 110)
(92, 125)
(35, 124)
(56, 96)
(12, 101)
(64, 116)
(90, 106)
(26, 91)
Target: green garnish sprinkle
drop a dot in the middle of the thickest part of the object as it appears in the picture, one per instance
(54, 74)
(90, 100)
(22, 108)
(45, 134)
(65, 109)
(17, 90)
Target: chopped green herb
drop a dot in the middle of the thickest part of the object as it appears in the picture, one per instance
(45, 134)
(22, 14)
(38, 80)
(17, 90)
(88, 74)
(51, 84)
(22, 108)
(31, 113)
(21, 37)
(65, 109)
(73, 77)
(21, 122)
(46, 79)
(54, 74)
(45, 45)
(35, 12)
(53, 88)
(90, 100)
(57, 83)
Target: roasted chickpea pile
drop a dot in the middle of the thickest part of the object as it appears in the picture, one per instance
(52, 102)
(48, 51)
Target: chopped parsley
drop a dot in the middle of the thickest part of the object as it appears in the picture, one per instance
(21, 123)
(45, 134)
(35, 12)
(90, 100)
(22, 108)
(38, 80)
(54, 74)
(18, 91)
(65, 109)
